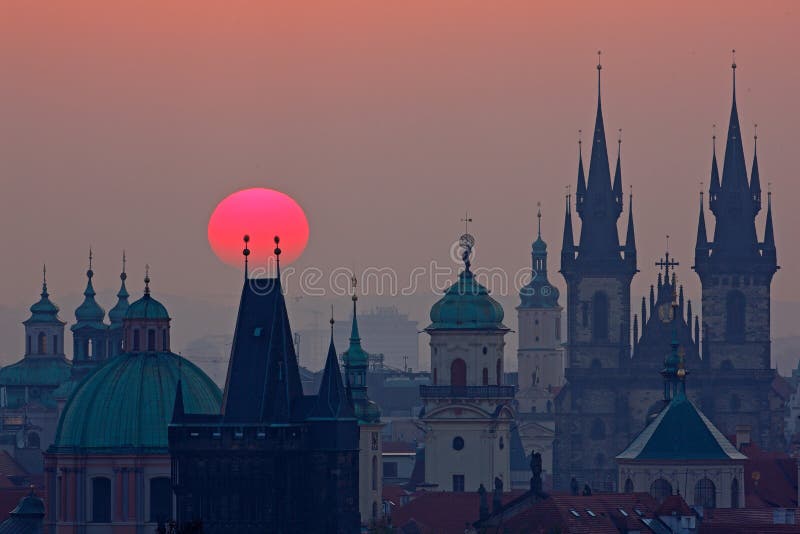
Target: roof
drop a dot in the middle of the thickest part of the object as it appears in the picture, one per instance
(443, 512)
(120, 309)
(127, 404)
(332, 401)
(749, 521)
(44, 311)
(89, 313)
(770, 478)
(147, 308)
(263, 381)
(26, 518)
(606, 513)
(681, 432)
(36, 371)
(466, 305)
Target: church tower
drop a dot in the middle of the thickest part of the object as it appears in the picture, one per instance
(540, 358)
(736, 271)
(89, 333)
(116, 315)
(370, 463)
(592, 411)
(467, 411)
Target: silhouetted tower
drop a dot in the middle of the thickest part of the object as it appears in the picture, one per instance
(735, 269)
(89, 333)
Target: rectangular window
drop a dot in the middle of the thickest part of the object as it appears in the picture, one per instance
(55, 344)
(101, 500)
(458, 483)
(389, 469)
(151, 340)
(558, 328)
(375, 441)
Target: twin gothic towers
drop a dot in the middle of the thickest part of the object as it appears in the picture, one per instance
(609, 387)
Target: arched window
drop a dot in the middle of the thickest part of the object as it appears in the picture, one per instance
(558, 328)
(705, 493)
(375, 472)
(55, 344)
(734, 493)
(598, 430)
(600, 316)
(160, 499)
(164, 344)
(435, 377)
(458, 373)
(101, 500)
(33, 440)
(151, 340)
(485, 376)
(90, 349)
(374, 510)
(499, 371)
(42, 345)
(628, 485)
(136, 341)
(660, 489)
(735, 317)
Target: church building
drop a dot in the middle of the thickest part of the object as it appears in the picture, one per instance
(467, 412)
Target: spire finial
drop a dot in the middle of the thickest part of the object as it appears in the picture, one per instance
(733, 68)
(580, 141)
(332, 321)
(599, 68)
(619, 136)
(90, 272)
(466, 220)
(44, 278)
(539, 216)
(246, 253)
(277, 251)
(567, 198)
(354, 285)
(147, 279)
(123, 275)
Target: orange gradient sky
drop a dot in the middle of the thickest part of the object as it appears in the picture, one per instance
(122, 124)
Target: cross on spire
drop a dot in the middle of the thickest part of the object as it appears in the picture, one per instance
(466, 220)
(666, 263)
(539, 216)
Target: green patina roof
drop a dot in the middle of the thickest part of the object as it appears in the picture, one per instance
(127, 403)
(466, 305)
(120, 309)
(36, 371)
(44, 311)
(147, 308)
(681, 432)
(89, 313)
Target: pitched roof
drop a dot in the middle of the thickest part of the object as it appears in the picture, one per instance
(332, 401)
(681, 432)
(443, 512)
(263, 382)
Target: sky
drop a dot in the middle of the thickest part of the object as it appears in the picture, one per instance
(123, 124)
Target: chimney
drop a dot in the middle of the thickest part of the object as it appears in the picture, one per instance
(742, 436)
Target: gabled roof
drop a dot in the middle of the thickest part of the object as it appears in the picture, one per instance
(332, 401)
(681, 432)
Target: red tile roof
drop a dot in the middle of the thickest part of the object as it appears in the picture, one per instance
(674, 504)
(746, 521)
(770, 478)
(443, 512)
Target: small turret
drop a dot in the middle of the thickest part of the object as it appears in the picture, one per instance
(714, 187)
(701, 245)
(617, 189)
(630, 238)
(755, 179)
(567, 243)
(580, 191)
(769, 234)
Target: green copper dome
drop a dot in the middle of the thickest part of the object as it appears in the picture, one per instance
(127, 404)
(120, 309)
(466, 305)
(539, 292)
(44, 311)
(147, 308)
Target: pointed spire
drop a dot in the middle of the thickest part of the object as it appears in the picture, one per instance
(701, 245)
(769, 233)
(355, 338)
(568, 242)
(617, 189)
(332, 401)
(688, 312)
(644, 312)
(117, 313)
(697, 330)
(653, 297)
(636, 329)
(714, 185)
(680, 295)
(630, 237)
(44, 293)
(178, 408)
(755, 179)
(89, 311)
(147, 280)
(580, 191)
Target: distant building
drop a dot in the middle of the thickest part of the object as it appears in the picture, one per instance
(272, 458)
(28, 405)
(370, 464)
(540, 357)
(467, 412)
(109, 468)
(26, 518)
(392, 335)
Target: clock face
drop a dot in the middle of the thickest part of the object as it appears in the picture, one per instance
(666, 313)
(546, 291)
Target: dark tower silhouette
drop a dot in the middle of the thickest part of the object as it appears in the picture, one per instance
(274, 460)
(598, 272)
(736, 271)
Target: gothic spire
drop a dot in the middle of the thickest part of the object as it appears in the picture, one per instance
(714, 185)
(769, 234)
(701, 245)
(599, 239)
(617, 189)
(580, 191)
(332, 401)
(755, 180)
(567, 243)
(630, 238)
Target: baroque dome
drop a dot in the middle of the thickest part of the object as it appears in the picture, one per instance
(127, 403)
(466, 305)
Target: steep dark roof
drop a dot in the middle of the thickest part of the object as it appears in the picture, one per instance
(263, 382)
(332, 401)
